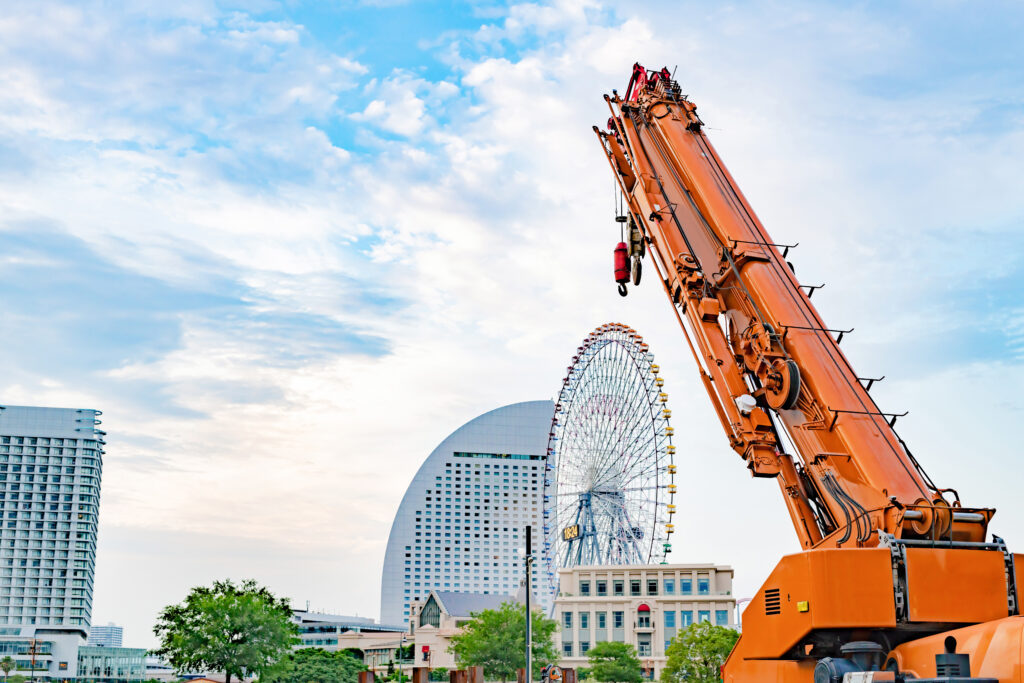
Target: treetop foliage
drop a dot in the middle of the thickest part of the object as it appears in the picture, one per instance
(496, 640)
(238, 629)
(697, 653)
(314, 665)
(612, 662)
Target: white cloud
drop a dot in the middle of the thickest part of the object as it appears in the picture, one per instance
(401, 103)
(488, 228)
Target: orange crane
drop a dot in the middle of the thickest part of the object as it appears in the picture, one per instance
(896, 577)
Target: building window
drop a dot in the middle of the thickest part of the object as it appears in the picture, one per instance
(670, 619)
(685, 618)
(584, 621)
(430, 615)
(602, 620)
(617, 619)
(584, 646)
(643, 616)
(566, 620)
(686, 586)
(670, 587)
(652, 586)
(617, 586)
(703, 586)
(722, 617)
(602, 588)
(566, 648)
(584, 588)
(634, 586)
(704, 615)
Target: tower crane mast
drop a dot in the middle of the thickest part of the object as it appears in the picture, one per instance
(891, 560)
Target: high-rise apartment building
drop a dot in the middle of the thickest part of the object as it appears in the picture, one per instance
(110, 635)
(460, 526)
(51, 460)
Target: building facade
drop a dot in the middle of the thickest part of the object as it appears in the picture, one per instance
(51, 462)
(643, 605)
(376, 644)
(110, 635)
(111, 664)
(440, 616)
(460, 526)
(159, 670)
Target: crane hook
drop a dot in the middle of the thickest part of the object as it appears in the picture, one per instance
(622, 289)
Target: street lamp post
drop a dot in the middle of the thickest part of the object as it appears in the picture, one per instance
(739, 613)
(401, 644)
(529, 613)
(32, 651)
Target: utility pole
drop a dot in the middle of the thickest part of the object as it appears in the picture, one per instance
(529, 613)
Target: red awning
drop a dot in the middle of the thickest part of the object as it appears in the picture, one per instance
(643, 608)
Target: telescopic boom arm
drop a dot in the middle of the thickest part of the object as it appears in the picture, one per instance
(787, 397)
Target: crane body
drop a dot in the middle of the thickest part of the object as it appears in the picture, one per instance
(890, 559)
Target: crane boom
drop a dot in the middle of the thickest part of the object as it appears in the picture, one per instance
(774, 370)
(896, 574)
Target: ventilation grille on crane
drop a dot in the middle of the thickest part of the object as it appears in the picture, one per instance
(772, 601)
(952, 665)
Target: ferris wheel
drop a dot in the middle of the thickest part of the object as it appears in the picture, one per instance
(609, 489)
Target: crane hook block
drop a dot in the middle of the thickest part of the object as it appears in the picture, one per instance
(621, 263)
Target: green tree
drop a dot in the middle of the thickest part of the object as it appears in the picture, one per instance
(6, 664)
(439, 674)
(496, 640)
(237, 629)
(697, 653)
(612, 662)
(314, 665)
(17, 678)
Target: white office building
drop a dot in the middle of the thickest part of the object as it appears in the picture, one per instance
(51, 461)
(460, 526)
(110, 635)
(645, 606)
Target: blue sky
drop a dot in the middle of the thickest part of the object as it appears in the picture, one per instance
(287, 247)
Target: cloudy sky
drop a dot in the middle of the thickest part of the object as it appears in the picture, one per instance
(287, 247)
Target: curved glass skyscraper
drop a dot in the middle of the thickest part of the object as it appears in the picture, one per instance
(460, 524)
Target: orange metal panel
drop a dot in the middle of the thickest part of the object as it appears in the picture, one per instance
(994, 647)
(842, 588)
(947, 585)
(1018, 571)
(761, 671)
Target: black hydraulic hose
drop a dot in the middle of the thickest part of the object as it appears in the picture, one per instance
(830, 484)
